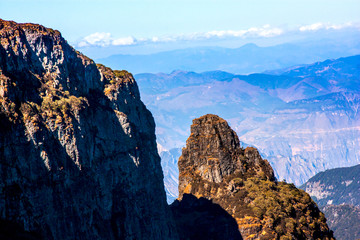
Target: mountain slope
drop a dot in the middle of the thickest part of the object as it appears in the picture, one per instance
(171, 174)
(302, 120)
(335, 186)
(214, 166)
(337, 191)
(344, 220)
(78, 155)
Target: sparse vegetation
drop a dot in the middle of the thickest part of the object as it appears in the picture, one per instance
(55, 105)
(263, 207)
(114, 79)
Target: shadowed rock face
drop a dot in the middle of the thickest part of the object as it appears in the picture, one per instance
(215, 167)
(202, 219)
(78, 156)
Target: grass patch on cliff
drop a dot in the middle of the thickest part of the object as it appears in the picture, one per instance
(114, 79)
(292, 211)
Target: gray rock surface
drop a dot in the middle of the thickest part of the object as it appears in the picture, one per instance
(78, 157)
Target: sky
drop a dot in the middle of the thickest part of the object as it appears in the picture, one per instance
(102, 23)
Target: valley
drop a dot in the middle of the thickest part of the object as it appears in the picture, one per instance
(303, 120)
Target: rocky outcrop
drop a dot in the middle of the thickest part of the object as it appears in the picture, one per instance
(213, 152)
(214, 166)
(78, 156)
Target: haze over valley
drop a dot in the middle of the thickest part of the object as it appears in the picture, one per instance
(302, 119)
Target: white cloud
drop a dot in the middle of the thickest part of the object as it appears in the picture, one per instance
(327, 26)
(266, 31)
(105, 39)
(124, 41)
(98, 39)
(312, 27)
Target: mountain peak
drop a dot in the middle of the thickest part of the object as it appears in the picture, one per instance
(11, 26)
(215, 167)
(213, 150)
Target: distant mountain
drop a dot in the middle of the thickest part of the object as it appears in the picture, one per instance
(169, 161)
(337, 191)
(302, 120)
(344, 220)
(249, 58)
(335, 186)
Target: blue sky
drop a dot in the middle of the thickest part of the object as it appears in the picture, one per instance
(135, 22)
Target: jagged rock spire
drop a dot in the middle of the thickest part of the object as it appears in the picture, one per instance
(213, 166)
(213, 152)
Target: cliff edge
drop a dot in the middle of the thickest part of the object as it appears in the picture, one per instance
(78, 157)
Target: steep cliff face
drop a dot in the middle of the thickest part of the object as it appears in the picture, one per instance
(78, 156)
(214, 166)
(213, 151)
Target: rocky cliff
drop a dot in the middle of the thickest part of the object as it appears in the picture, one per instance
(78, 156)
(215, 167)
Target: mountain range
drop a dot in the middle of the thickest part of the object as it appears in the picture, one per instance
(335, 186)
(337, 192)
(249, 58)
(79, 155)
(302, 119)
(344, 220)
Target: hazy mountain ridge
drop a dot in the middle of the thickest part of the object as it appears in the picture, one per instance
(302, 120)
(169, 159)
(337, 192)
(335, 186)
(344, 220)
(246, 59)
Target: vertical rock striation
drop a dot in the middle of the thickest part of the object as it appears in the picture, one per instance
(78, 156)
(213, 166)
